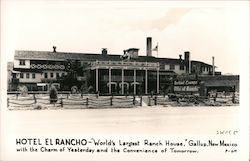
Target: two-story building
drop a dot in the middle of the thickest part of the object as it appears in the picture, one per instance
(125, 73)
(108, 73)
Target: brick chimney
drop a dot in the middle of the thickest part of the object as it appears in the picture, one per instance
(149, 46)
(104, 51)
(187, 61)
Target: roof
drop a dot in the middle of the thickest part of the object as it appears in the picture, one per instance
(199, 62)
(47, 55)
(219, 83)
(62, 56)
(221, 80)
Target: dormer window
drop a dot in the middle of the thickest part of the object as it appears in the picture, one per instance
(22, 62)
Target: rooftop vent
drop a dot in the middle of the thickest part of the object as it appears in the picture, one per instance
(54, 49)
(104, 51)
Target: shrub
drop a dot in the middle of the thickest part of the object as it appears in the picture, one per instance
(37, 107)
(53, 94)
(74, 89)
(23, 90)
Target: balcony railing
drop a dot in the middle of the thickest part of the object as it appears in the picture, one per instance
(47, 66)
(124, 64)
(81, 78)
(119, 78)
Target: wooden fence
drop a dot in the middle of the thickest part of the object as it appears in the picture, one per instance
(71, 101)
(74, 101)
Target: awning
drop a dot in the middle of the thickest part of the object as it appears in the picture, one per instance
(135, 83)
(110, 83)
(120, 84)
(41, 84)
(15, 71)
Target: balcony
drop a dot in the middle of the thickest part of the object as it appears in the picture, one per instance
(47, 66)
(124, 65)
(115, 78)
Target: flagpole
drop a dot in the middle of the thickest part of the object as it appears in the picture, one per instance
(157, 49)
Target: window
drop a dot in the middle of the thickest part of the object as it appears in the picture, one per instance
(21, 75)
(57, 75)
(33, 75)
(181, 67)
(45, 75)
(51, 75)
(27, 75)
(22, 62)
(172, 67)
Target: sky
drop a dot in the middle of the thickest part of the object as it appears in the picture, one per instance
(206, 29)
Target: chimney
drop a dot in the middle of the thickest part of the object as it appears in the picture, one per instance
(104, 51)
(187, 61)
(213, 65)
(180, 57)
(54, 49)
(149, 46)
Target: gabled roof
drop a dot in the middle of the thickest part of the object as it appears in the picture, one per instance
(46, 55)
(62, 56)
(199, 62)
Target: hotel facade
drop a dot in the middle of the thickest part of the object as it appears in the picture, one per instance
(126, 73)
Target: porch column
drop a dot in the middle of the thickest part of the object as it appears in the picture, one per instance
(158, 80)
(122, 81)
(146, 81)
(109, 80)
(96, 79)
(134, 82)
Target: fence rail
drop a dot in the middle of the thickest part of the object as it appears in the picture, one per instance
(72, 101)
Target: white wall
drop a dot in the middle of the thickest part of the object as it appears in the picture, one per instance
(30, 79)
(176, 70)
(38, 76)
(54, 74)
(17, 64)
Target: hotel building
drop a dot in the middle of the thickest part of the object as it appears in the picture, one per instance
(126, 73)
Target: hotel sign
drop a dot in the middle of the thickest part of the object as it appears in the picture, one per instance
(186, 86)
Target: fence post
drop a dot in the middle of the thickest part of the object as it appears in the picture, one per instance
(140, 100)
(61, 102)
(233, 99)
(87, 102)
(97, 94)
(155, 100)
(8, 102)
(111, 101)
(16, 95)
(34, 96)
(134, 100)
(149, 101)
(67, 95)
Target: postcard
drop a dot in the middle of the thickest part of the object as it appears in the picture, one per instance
(124, 80)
